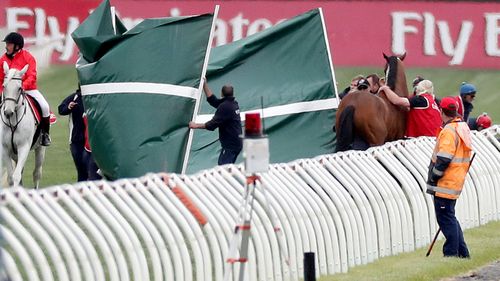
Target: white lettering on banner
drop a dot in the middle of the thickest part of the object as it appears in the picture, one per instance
(237, 24)
(429, 35)
(258, 25)
(40, 18)
(220, 34)
(492, 32)
(13, 23)
(57, 41)
(175, 12)
(456, 51)
(61, 42)
(53, 33)
(399, 29)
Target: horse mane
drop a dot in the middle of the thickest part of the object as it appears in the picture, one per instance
(393, 72)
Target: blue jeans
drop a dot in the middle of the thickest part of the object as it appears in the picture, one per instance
(228, 156)
(454, 246)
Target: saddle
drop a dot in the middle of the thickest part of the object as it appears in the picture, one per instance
(37, 113)
(35, 108)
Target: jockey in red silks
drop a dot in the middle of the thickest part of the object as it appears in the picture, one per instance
(16, 57)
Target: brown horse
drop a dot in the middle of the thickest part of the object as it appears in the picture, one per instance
(373, 118)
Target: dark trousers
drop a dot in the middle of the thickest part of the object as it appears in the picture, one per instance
(91, 167)
(228, 156)
(77, 152)
(454, 246)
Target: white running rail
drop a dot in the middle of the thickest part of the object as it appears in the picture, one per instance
(349, 208)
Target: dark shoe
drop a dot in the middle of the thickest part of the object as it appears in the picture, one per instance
(45, 139)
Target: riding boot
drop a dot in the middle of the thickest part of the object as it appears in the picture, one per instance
(45, 126)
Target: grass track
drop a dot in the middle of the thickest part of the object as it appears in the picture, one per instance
(483, 244)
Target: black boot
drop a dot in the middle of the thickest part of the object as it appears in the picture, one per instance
(45, 138)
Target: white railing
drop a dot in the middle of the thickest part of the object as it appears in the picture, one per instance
(349, 208)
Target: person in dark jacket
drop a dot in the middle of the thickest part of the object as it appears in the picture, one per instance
(92, 167)
(467, 94)
(73, 106)
(227, 119)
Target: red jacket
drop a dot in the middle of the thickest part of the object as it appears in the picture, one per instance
(424, 121)
(460, 109)
(19, 60)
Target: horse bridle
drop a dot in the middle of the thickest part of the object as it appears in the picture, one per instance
(16, 101)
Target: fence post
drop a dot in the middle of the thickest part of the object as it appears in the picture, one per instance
(309, 267)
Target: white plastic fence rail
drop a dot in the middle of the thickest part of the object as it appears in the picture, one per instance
(349, 208)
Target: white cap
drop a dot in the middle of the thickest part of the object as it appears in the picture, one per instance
(425, 86)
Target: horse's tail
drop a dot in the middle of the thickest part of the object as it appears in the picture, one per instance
(345, 131)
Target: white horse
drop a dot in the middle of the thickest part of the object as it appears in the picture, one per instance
(19, 127)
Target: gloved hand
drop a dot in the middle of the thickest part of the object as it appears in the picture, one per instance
(432, 182)
(432, 178)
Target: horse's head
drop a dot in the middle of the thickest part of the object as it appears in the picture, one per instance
(395, 76)
(12, 89)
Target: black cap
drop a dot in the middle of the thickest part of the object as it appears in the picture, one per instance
(363, 84)
(15, 38)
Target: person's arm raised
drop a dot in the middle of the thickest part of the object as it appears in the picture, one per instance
(206, 89)
(393, 97)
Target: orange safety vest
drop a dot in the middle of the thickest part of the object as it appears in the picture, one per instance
(454, 142)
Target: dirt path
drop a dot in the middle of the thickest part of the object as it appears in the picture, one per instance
(489, 272)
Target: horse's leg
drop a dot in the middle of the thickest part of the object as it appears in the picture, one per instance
(22, 156)
(8, 166)
(22, 173)
(39, 158)
(4, 181)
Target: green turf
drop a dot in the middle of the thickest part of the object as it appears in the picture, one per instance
(59, 81)
(55, 83)
(483, 244)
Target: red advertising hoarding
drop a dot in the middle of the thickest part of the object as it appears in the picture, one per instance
(434, 34)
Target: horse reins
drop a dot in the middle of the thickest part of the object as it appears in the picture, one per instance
(13, 128)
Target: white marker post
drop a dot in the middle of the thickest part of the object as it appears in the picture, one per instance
(200, 89)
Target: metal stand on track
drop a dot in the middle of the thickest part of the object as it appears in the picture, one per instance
(256, 154)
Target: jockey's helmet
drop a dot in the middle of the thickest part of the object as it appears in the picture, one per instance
(15, 38)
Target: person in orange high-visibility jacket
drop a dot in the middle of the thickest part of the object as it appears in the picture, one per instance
(447, 170)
